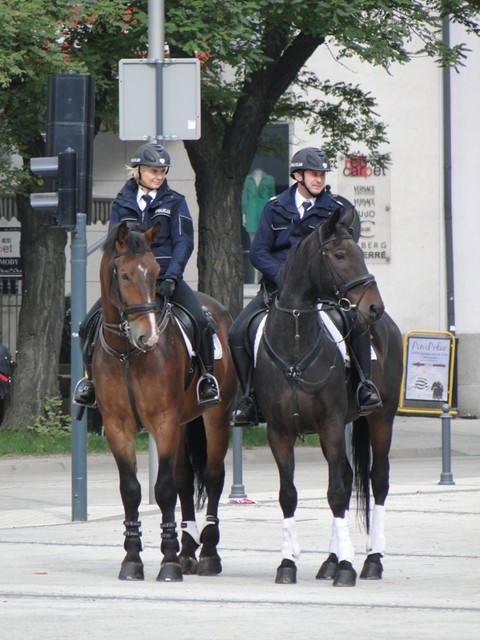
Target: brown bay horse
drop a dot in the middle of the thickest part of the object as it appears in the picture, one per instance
(304, 385)
(145, 379)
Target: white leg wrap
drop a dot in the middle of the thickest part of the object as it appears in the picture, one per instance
(290, 546)
(190, 526)
(345, 546)
(376, 539)
(333, 546)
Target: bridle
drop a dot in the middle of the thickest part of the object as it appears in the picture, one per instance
(123, 329)
(339, 301)
(340, 290)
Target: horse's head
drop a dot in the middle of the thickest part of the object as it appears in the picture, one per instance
(343, 271)
(128, 278)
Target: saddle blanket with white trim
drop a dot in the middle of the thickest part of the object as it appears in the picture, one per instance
(331, 328)
(217, 345)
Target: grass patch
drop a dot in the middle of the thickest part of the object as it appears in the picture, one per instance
(26, 443)
(257, 437)
(32, 443)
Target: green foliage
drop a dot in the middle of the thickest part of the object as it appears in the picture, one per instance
(243, 46)
(53, 422)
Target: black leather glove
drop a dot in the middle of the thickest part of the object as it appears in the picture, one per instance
(166, 288)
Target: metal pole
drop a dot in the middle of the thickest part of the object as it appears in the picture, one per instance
(156, 43)
(447, 179)
(237, 490)
(446, 476)
(79, 425)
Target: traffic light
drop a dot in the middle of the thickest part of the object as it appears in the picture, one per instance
(62, 204)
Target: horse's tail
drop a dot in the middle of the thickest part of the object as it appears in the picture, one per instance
(197, 453)
(361, 458)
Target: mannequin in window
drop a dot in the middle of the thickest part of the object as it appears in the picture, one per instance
(259, 187)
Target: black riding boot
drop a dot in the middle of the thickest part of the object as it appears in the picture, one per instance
(208, 391)
(246, 413)
(368, 396)
(84, 393)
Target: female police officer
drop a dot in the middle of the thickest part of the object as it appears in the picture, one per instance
(144, 200)
(286, 220)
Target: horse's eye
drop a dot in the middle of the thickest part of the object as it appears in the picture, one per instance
(340, 255)
(124, 276)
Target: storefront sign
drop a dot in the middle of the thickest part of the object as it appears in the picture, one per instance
(368, 189)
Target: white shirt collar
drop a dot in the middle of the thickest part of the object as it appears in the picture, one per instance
(140, 201)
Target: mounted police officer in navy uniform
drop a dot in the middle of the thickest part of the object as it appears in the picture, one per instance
(144, 200)
(284, 222)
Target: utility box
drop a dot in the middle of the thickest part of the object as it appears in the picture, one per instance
(155, 95)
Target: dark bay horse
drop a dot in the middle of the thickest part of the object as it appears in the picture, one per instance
(303, 386)
(145, 379)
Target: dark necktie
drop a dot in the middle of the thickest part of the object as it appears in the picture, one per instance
(147, 199)
(306, 206)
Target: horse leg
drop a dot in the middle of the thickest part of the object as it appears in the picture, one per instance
(166, 498)
(339, 564)
(217, 435)
(283, 452)
(130, 491)
(380, 436)
(190, 540)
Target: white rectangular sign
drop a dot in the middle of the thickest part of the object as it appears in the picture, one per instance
(179, 113)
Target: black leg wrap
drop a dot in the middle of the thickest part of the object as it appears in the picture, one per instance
(169, 530)
(132, 533)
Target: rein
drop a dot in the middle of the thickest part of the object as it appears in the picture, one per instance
(122, 330)
(294, 371)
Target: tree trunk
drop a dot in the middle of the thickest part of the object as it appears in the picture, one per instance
(41, 319)
(220, 263)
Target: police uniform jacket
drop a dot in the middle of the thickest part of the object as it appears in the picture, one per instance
(281, 228)
(174, 246)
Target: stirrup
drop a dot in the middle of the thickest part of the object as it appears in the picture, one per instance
(213, 386)
(246, 413)
(366, 409)
(84, 394)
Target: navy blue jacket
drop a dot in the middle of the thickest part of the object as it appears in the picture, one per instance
(174, 245)
(281, 228)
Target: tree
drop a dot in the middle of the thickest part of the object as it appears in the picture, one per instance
(253, 57)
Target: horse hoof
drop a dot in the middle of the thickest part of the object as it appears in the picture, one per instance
(372, 567)
(209, 566)
(189, 565)
(346, 575)
(286, 573)
(328, 569)
(131, 571)
(170, 572)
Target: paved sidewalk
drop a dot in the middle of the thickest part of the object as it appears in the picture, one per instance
(58, 578)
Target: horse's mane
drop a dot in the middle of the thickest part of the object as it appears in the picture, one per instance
(136, 242)
(341, 233)
(284, 269)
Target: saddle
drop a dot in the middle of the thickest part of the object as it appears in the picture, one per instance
(335, 323)
(184, 318)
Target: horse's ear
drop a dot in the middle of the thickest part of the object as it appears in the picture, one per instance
(348, 219)
(152, 234)
(122, 233)
(328, 227)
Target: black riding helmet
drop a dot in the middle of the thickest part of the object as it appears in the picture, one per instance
(309, 158)
(151, 154)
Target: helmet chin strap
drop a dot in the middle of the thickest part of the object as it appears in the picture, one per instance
(302, 182)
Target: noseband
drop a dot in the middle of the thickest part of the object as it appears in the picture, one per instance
(340, 290)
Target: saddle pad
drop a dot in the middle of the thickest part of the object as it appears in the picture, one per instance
(217, 345)
(329, 325)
